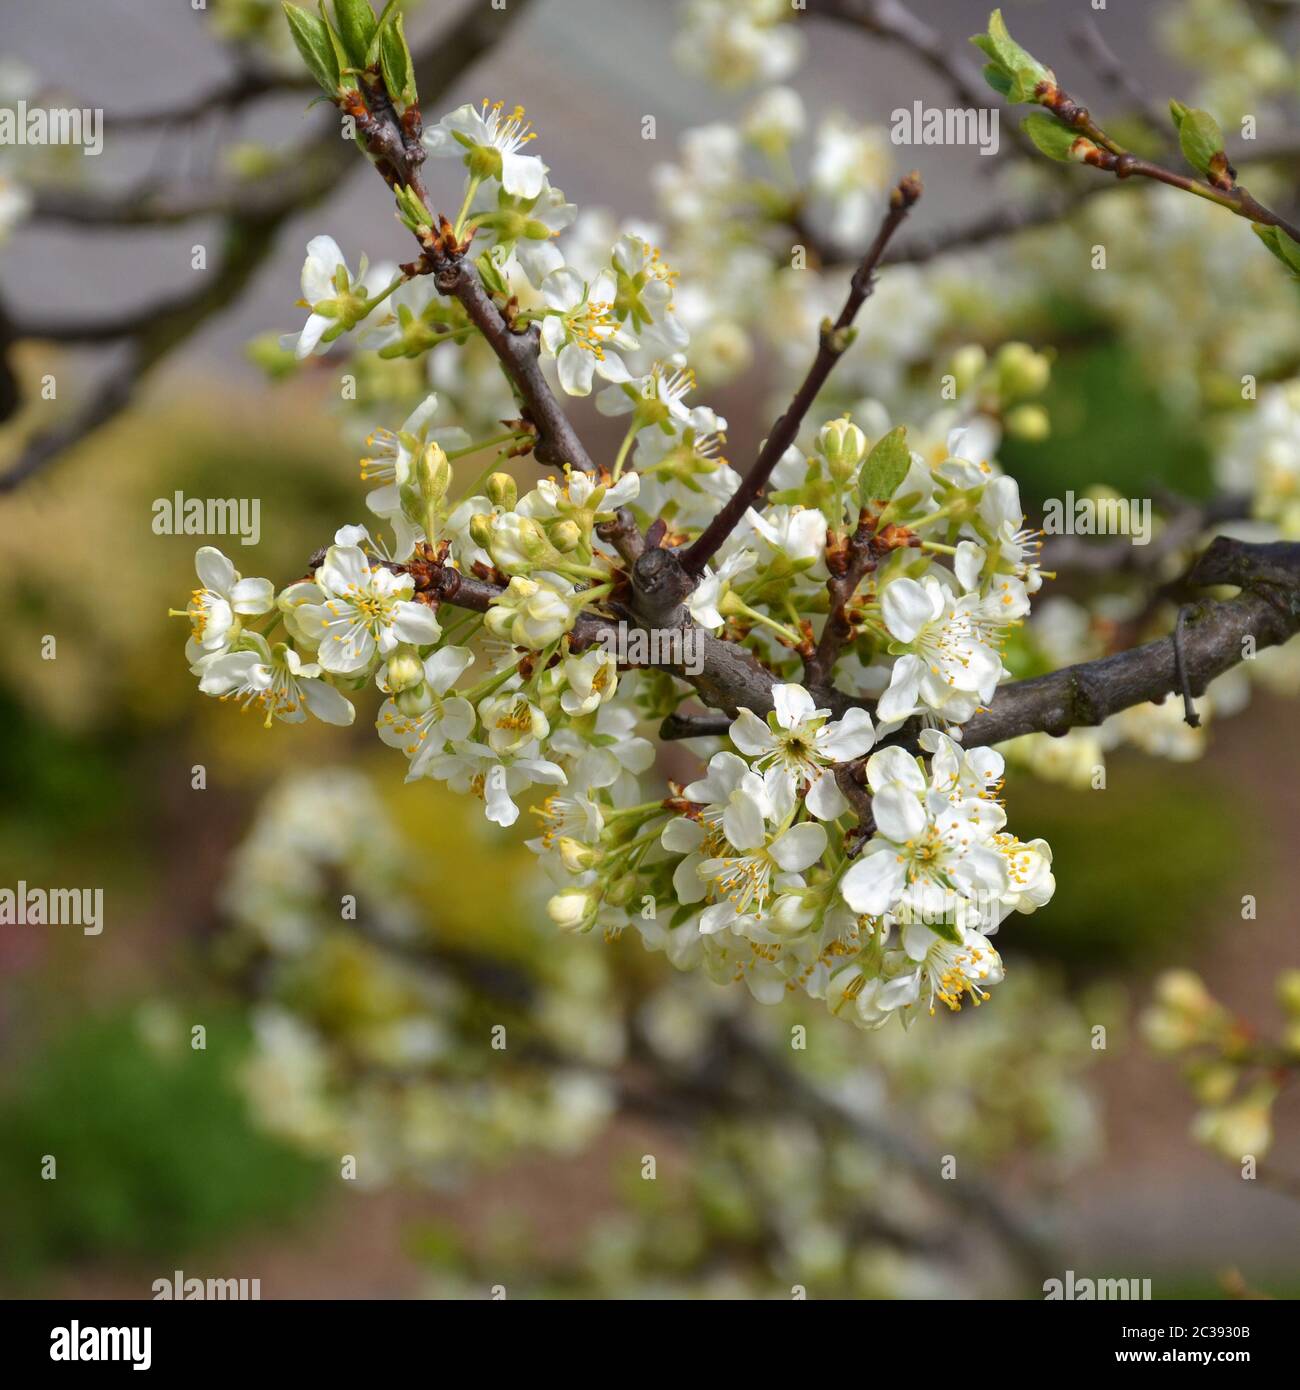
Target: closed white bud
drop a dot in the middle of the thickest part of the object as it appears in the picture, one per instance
(503, 491)
(403, 670)
(1028, 422)
(573, 909)
(576, 857)
(433, 473)
(622, 890)
(415, 701)
(843, 445)
(517, 542)
(967, 364)
(480, 529)
(566, 536)
(792, 914)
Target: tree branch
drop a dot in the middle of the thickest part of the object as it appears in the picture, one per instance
(847, 569)
(255, 213)
(1096, 148)
(1113, 74)
(519, 354)
(395, 148)
(1217, 635)
(835, 339)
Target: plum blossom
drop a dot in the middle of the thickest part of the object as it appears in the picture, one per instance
(489, 140)
(276, 680)
(338, 300)
(951, 661)
(367, 610)
(580, 330)
(221, 599)
(923, 841)
(797, 747)
(422, 734)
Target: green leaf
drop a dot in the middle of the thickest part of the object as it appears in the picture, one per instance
(356, 25)
(1054, 139)
(999, 80)
(1284, 247)
(1012, 71)
(340, 53)
(1200, 138)
(312, 36)
(886, 467)
(395, 64)
(385, 18)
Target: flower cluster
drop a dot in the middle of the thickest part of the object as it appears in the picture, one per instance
(517, 696)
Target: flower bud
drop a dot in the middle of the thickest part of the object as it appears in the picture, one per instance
(1022, 371)
(1181, 990)
(404, 670)
(414, 701)
(503, 491)
(577, 857)
(844, 446)
(622, 890)
(1028, 422)
(966, 365)
(792, 914)
(1288, 990)
(566, 536)
(517, 542)
(573, 909)
(433, 473)
(1214, 1085)
(480, 529)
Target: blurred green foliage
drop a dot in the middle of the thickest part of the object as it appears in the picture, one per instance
(1139, 865)
(155, 1155)
(1109, 426)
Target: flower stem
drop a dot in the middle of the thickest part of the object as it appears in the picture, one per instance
(470, 191)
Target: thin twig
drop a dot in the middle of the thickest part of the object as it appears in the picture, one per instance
(1113, 74)
(254, 213)
(835, 339)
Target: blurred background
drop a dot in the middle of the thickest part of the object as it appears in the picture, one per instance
(526, 1167)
